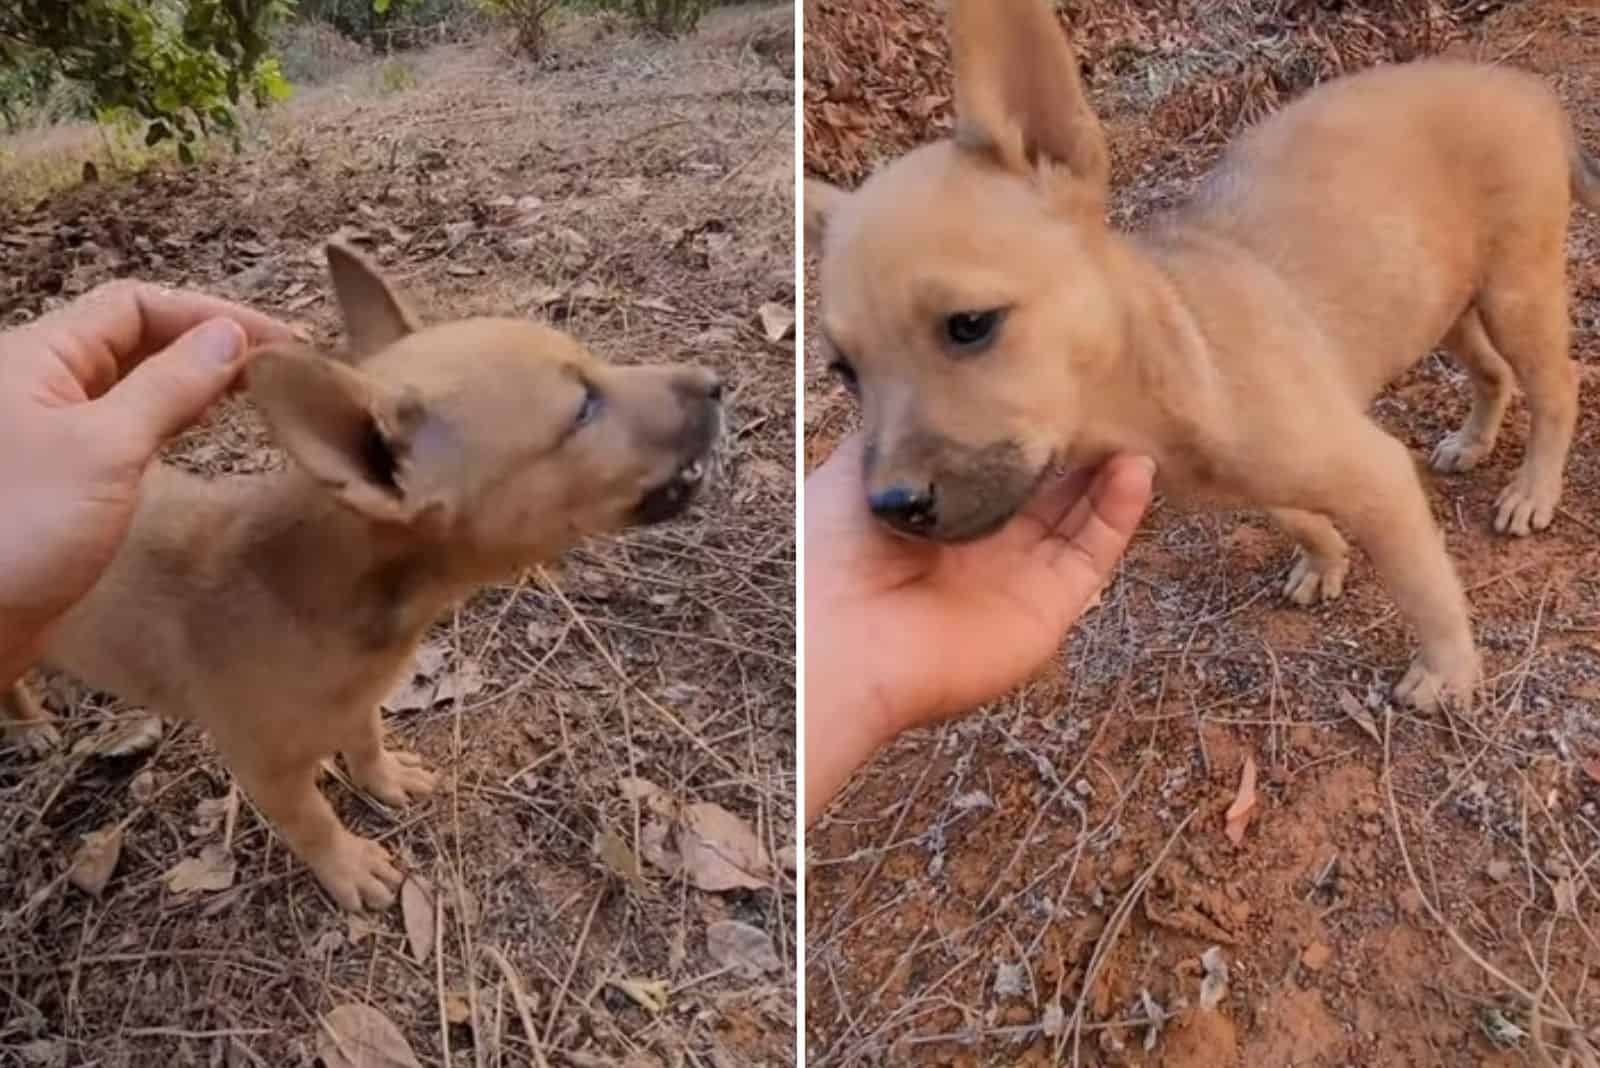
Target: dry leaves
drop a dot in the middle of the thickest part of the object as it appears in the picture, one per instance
(431, 684)
(1591, 767)
(214, 869)
(742, 949)
(719, 851)
(96, 859)
(1360, 716)
(359, 1036)
(714, 848)
(648, 994)
(416, 909)
(1244, 803)
(621, 860)
(457, 1009)
(122, 737)
(1214, 986)
(777, 322)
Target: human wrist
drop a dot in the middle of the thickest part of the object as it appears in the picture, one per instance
(847, 719)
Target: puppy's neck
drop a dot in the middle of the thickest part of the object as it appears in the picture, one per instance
(377, 585)
(1156, 392)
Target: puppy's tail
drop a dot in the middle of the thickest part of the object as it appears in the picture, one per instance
(1585, 176)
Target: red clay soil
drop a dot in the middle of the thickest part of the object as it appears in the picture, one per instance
(1038, 883)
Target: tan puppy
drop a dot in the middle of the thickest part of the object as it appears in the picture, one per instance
(278, 610)
(996, 326)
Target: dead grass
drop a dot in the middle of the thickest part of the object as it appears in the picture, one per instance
(641, 197)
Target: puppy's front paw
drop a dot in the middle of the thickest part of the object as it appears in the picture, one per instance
(357, 872)
(1436, 680)
(1460, 451)
(1316, 578)
(395, 777)
(1527, 504)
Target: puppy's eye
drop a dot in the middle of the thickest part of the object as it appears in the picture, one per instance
(972, 330)
(589, 410)
(846, 374)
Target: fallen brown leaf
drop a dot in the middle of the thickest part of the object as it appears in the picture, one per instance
(96, 859)
(617, 857)
(648, 994)
(1244, 803)
(359, 1036)
(1591, 768)
(777, 322)
(213, 869)
(720, 851)
(122, 738)
(745, 950)
(457, 1010)
(1360, 716)
(416, 909)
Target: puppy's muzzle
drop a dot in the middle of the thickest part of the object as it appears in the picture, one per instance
(700, 392)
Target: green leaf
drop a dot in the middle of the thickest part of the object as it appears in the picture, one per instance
(185, 153)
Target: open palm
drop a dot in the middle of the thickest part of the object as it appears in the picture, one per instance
(918, 631)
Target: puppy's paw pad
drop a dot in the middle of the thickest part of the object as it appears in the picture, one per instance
(1314, 579)
(1460, 451)
(395, 778)
(358, 873)
(1525, 506)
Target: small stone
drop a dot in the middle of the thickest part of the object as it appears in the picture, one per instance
(1315, 957)
(1410, 901)
(1499, 870)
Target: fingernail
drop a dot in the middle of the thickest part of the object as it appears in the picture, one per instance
(219, 341)
(1148, 463)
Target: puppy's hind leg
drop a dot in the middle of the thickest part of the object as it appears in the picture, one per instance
(26, 722)
(1530, 327)
(356, 871)
(1322, 560)
(1465, 448)
(393, 776)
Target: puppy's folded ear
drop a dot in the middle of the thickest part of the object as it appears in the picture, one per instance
(369, 444)
(821, 202)
(374, 315)
(1018, 94)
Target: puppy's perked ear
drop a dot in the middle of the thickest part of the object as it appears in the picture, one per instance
(374, 315)
(1019, 96)
(821, 202)
(368, 443)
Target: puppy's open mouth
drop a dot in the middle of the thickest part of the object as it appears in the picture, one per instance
(671, 497)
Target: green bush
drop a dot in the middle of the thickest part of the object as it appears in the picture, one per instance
(670, 17)
(179, 67)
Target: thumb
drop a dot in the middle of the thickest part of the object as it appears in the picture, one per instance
(1086, 545)
(170, 390)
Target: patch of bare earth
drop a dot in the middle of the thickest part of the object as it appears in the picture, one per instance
(586, 718)
(1040, 883)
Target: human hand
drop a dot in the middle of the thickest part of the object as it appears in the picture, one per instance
(88, 395)
(900, 633)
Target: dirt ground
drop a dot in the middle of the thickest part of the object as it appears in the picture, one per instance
(1049, 881)
(639, 194)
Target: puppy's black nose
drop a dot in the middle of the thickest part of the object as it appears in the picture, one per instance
(908, 508)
